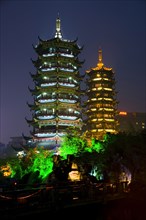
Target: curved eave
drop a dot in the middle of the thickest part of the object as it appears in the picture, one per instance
(33, 91)
(97, 68)
(37, 63)
(30, 105)
(26, 137)
(17, 149)
(80, 63)
(55, 42)
(33, 76)
(30, 122)
(102, 68)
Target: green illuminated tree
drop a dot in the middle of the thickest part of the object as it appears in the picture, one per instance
(72, 144)
(40, 161)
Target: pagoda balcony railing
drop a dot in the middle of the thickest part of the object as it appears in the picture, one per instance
(44, 100)
(101, 106)
(60, 132)
(67, 69)
(62, 80)
(47, 97)
(102, 101)
(68, 100)
(99, 125)
(56, 81)
(46, 117)
(48, 69)
(65, 113)
(66, 55)
(57, 65)
(49, 54)
(64, 117)
(46, 130)
(59, 80)
(53, 80)
(57, 68)
(51, 114)
(57, 97)
(60, 113)
(55, 56)
(67, 117)
(101, 116)
(46, 84)
(103, 111)
(68, 84)
(58, 52)
(62, 128)
(45, 134)
(106, 126)
(67, 96)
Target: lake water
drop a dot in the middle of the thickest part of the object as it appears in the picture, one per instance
(114, 210)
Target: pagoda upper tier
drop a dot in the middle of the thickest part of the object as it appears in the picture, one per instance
(56, 92)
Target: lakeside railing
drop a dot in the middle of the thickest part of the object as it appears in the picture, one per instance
(57, 196)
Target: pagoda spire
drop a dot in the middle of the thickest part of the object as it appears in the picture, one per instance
(58, 28)
(100, 63)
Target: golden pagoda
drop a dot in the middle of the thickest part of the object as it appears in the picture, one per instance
(101, 105)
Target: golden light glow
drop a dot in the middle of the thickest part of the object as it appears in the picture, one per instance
(99, 88)
(122, 113)
(93, 130)
(99, 130)
(6, 170)
(110, 130)
(109, 119)
(94, 119)
(108, 89)
(106, 68)
(74, 175)
(108, 99)
(106, 79)
(95, 79)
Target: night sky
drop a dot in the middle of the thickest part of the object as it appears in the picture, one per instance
(117, 27)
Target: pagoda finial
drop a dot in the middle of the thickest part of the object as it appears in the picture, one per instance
(58, 28)
(100, 63)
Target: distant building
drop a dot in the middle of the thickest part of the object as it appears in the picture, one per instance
(2, 149)
(131, 121)
(17, 143)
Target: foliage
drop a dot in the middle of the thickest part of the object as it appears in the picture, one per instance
(36, 161)
(96, 145)
(107, 157)
(72, 144)
(42, 162)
